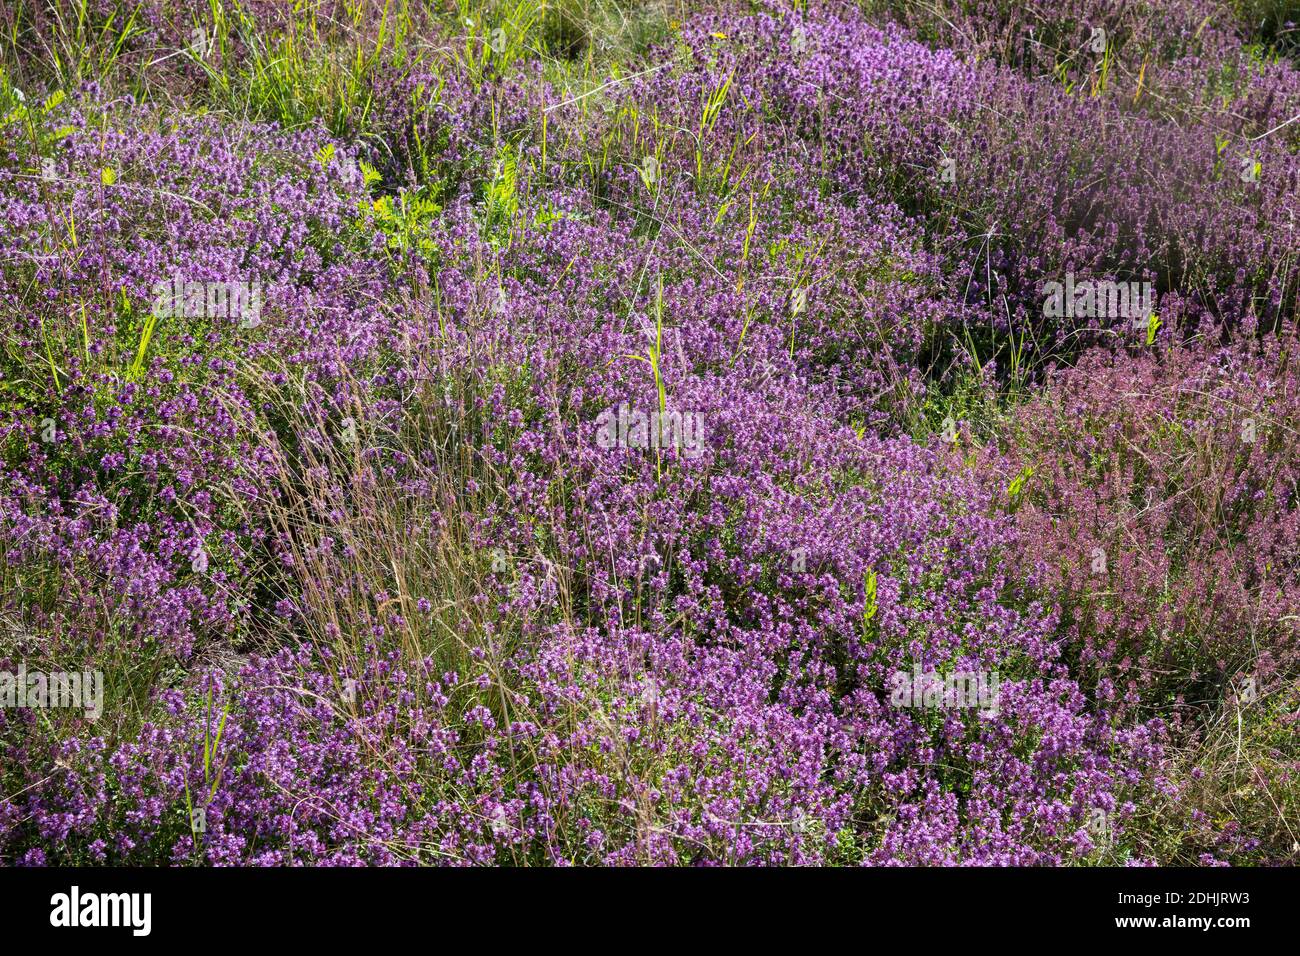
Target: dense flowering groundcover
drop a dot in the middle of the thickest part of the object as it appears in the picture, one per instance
(607, 434)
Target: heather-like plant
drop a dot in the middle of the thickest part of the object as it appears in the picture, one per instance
(1162, 489)
(482, 456)
(1160, 506)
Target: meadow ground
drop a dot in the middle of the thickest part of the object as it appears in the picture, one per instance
(607, 432)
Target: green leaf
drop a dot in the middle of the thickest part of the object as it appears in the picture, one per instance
(870, 606)
(1018, 483)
